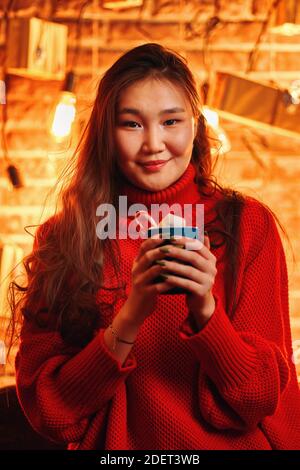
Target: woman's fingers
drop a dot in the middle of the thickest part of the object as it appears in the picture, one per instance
(149, 252)
(147, 278)
(189, 257)
(188, 285)
(192, 244)
(147, 245)
(186, 271)
(196, 255)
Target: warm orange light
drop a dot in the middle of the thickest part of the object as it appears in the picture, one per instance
(212, 119)
(118, 4)
(286, 29)
(64, 116)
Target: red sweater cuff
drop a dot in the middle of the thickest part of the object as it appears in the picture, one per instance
(97, 369)
(226, 358)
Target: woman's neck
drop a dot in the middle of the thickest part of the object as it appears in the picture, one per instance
(182, 191)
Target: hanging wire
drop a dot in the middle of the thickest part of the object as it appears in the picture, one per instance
(139, 26)
(158, 6)
(76, 52)
(217, 5)
(205, 33)
(210, 25)
(253, 54)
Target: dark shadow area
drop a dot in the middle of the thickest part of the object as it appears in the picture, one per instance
(15, 430)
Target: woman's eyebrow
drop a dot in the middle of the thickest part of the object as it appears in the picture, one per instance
(164, 111)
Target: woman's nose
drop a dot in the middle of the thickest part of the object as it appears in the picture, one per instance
(153, 141)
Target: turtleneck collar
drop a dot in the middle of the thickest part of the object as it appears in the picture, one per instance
(184, 191)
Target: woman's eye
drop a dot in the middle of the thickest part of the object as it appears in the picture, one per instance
(128, 123)
(172, 121)
(134, 124)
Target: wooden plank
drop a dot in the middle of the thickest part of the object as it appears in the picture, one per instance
(32, 182)
(25, 210)
(104, 16)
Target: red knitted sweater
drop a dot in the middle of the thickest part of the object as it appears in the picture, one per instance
(231, 385)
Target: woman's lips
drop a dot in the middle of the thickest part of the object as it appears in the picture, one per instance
(154, 166)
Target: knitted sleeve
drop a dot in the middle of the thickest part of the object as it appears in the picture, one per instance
(60, 387)
(246, 363)
(60, 390)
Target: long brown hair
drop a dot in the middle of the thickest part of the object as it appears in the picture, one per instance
(64, 269)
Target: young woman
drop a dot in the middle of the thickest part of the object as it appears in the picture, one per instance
(108, 359)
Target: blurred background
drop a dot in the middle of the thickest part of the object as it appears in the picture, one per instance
(245, 55)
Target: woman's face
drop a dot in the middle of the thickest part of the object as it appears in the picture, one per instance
(154, 123)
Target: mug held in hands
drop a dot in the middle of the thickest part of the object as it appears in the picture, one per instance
(166, 233)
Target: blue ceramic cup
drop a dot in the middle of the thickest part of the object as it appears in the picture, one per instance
(166, 233)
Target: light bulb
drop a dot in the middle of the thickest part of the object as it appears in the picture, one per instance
(225, 145)
(286, 29)
(213, 122)
(64, 116)
(211, 117)
(294, 90)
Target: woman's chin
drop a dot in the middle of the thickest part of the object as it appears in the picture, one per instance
(154, 185)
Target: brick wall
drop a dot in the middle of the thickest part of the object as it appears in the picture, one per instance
(270, 172)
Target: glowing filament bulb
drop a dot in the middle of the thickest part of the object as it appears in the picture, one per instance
(211, 117)
(64, 116)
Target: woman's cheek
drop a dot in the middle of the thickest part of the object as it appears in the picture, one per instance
(126, 146)
(182, 142)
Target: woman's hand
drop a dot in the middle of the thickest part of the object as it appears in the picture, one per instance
(142, 298)
(197, 278)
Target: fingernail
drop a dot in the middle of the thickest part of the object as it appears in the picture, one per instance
(205, 233)
(164, 250)
(194, 244)
(161, 263)
(164, 276)
(178, 245)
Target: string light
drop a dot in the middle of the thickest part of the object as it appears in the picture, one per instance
(65, 110)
